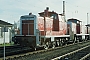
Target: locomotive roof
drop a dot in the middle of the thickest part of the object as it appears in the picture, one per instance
(49, 13)
(5, 23)
(73, 19)
(27, 15)
(88, 25)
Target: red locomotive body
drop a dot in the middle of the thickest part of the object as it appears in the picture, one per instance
(50, 28)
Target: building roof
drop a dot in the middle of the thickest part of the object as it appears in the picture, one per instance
(2, 23)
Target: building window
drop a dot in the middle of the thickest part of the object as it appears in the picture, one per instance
(1, 33)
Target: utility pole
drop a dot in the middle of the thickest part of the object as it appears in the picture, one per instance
(87, 23)
(87, 18)
(64, 10)
(4, 41)
(44, 28)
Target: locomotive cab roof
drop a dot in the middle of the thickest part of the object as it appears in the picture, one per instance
(88, 25)
(28, 16)
(47, 13)
(74, 20)
(50, 14)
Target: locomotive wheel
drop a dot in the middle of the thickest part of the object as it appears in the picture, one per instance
(53, 45)
(35, 49)
(15, 42)
(58, 43)
(46, 46)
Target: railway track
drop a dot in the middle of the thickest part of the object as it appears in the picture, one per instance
(79, 54)
(48, 54)
(86, 57)
(7, 47)
(13, 50)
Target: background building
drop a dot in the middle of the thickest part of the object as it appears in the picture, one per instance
(7, 28)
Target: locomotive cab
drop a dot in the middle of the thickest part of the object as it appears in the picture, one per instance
(29, 34)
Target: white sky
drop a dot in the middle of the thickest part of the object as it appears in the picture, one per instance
(11, 10)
